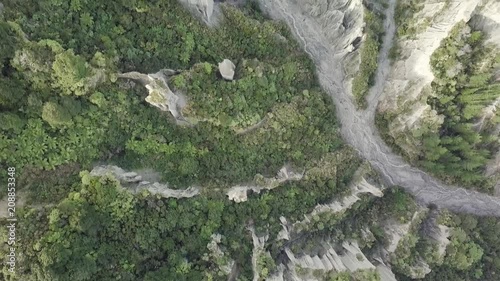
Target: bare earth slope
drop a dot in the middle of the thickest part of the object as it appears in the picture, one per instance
(358, 127)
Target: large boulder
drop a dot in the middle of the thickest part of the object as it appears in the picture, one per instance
(160, 95)
(226, 69)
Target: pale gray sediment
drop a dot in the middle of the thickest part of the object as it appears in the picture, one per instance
(358, 127)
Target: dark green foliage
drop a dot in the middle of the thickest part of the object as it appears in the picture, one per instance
(8, 42)
(472, 253)
(100, 232)
(458, 149)
(400, 205)
(110, 120)
(62, 110)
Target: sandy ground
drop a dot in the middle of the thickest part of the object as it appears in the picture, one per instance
(358, 128)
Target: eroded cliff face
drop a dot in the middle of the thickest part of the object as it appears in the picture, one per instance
(342, 18)
(409, 83)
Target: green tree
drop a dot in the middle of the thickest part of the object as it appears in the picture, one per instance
(462, 253)
(56, 115)
(70, 73)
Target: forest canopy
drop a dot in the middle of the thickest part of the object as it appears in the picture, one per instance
(63, 111)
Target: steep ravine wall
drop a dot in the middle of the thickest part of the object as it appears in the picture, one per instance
(405, 89)
(358, 127)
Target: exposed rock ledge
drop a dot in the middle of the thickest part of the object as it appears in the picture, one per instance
(202, 8)
(160, 94)
(134, 182)
(351, 259)
(341, 205)
(238, 193)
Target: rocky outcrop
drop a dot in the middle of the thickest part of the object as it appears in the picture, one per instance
(134, 182)
(258, 250)
(441, 236)
(341, 21)
(160, 95)
(300, 267)
(405, 88)
(217, 256)
(202, 8)
(226, 69)
(395, 231)
(284, 234)
(385, 273)
(238, 193)
(345, 203)
(401, 240)
(419, 270)
(408, 85)
(488, 20)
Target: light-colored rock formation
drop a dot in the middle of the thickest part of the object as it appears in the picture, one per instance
(217, 256)
(121, 175)
(399, 235)
(395, 231)
(238, 193)
(487, 114)
(353, 259)
(202, 8)
(284, 234)
(408, 84)
(134, 182)
(350, 258)
(164, 191)
(420, 270)
(160, 94)
(441, 236)
(226, 69)
(258, 250)
(412, 73)
(341, 21)
(345, 203)
(386, 273)
(493, 167)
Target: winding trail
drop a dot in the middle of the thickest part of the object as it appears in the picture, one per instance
(358, 127)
